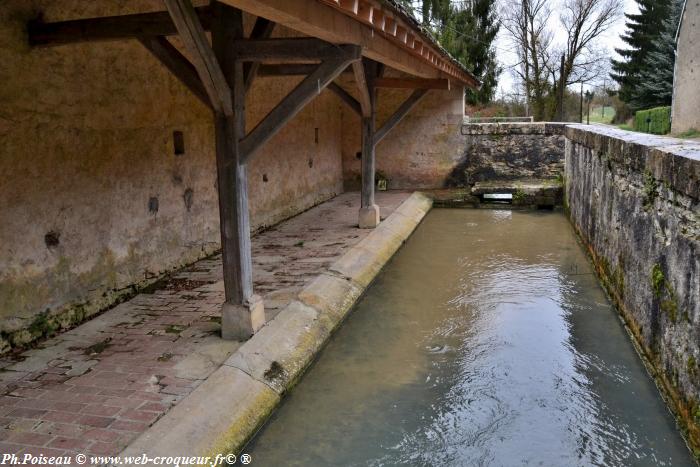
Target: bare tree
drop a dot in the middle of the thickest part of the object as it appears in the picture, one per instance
(540, 69)
(526, 23)
(584, 21)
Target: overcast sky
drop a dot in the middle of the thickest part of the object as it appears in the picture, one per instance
(507, 58)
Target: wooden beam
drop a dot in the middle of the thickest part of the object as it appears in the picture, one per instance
(231, 172)
(400, 113)
(293, 49)
(311, 86)
(109, 28)
(168, 55)
(195, 40)
(365, 102)
(330, 24)
(346, 97)
(293, 69)
(261, 30)
(371, 70)
(413, 83)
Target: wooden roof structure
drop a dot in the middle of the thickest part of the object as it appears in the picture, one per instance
(362, 37)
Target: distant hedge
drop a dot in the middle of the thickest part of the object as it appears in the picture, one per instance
(656, 120)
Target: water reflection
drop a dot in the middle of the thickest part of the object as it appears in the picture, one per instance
(486, 341)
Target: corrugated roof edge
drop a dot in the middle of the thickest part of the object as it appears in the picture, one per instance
(401, 11)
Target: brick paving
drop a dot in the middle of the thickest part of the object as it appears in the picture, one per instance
(95, 388)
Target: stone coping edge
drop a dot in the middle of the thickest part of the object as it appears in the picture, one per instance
(675, 162)
(513, 128)
(227, 409)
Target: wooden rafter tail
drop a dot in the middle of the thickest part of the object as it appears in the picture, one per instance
(413, 83)
(108, 28)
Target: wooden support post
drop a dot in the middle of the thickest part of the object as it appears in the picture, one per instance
(222, 76)
(369, 211)
(243, 313)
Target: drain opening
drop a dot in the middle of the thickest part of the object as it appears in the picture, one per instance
(497, 198)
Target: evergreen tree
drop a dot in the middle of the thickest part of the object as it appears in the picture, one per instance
(656, 84)
(643, 32)
(468, 33)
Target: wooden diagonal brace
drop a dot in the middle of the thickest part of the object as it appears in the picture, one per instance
(400, 113)
(346, 97)
(310, 87)
(195, 40)
(261, 30)
(179, 66)
(365, 102)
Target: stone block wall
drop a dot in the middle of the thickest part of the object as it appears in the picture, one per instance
(420, 151)
(508, 151)
(433, 149)
(685, 114)
(94, 197)
(635, 201)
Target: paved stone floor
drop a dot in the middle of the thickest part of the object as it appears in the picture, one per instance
(95, 388)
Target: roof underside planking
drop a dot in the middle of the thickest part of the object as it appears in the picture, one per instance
(384, 32)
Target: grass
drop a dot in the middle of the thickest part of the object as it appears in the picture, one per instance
(597, 117)
(692, 133)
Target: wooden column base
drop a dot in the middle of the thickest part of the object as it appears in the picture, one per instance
(239, 322)
(369, 217)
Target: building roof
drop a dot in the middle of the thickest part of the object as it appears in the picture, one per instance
(395, 23)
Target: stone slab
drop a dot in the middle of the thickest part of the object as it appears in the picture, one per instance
(225, 410)
(220, 414)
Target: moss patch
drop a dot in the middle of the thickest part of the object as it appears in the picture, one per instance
(664, 291)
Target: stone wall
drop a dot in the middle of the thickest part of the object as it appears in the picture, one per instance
(450, 154)
(686, 82)
(509, 151)
(420, 151)
(94, 199)
(635, 202)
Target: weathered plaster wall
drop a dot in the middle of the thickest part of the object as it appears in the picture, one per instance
(93, 198)
(432, 148)
(419, 151)
(635, 201)
(686, 98)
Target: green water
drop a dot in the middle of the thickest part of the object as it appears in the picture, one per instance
(486, 341)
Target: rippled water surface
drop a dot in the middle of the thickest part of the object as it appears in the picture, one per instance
(486, 341)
